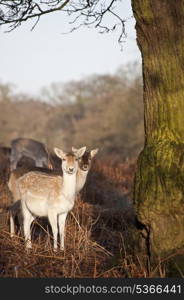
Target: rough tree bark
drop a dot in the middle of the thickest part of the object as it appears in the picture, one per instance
(159, 180)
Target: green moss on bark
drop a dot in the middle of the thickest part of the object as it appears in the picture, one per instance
(159, 181)
(159, 194)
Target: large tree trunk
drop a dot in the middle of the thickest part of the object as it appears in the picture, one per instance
(159, 181)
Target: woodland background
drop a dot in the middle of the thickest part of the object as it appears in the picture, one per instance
(95, 111)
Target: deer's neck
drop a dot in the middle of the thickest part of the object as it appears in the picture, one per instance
(69, 185)
(81, 179)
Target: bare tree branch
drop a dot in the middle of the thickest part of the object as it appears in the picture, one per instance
(16, 12)
(83, 13)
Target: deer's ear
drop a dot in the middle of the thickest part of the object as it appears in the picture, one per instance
(80, 152)
(74, 149)
(60, 153)
(94, 152)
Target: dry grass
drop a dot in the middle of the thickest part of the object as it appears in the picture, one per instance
(93, 249)
(99, 240)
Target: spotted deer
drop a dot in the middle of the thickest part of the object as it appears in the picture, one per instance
(49, 195)
(15, 208)
(84, 166)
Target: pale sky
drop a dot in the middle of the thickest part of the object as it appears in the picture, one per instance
(33, 59)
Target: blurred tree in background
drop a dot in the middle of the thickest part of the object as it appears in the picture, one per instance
(95, 111)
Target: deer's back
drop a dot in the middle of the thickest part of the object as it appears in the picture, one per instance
(39, 183)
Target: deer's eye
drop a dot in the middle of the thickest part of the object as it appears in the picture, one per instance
(76, 159)
(64, 159)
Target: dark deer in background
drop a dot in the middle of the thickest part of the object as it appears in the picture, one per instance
(34, 150)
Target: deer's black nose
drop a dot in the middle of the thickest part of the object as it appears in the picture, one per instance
(71, 169)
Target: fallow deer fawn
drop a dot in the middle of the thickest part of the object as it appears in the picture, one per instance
(82, 172)
(44, 194)
(84, 167)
